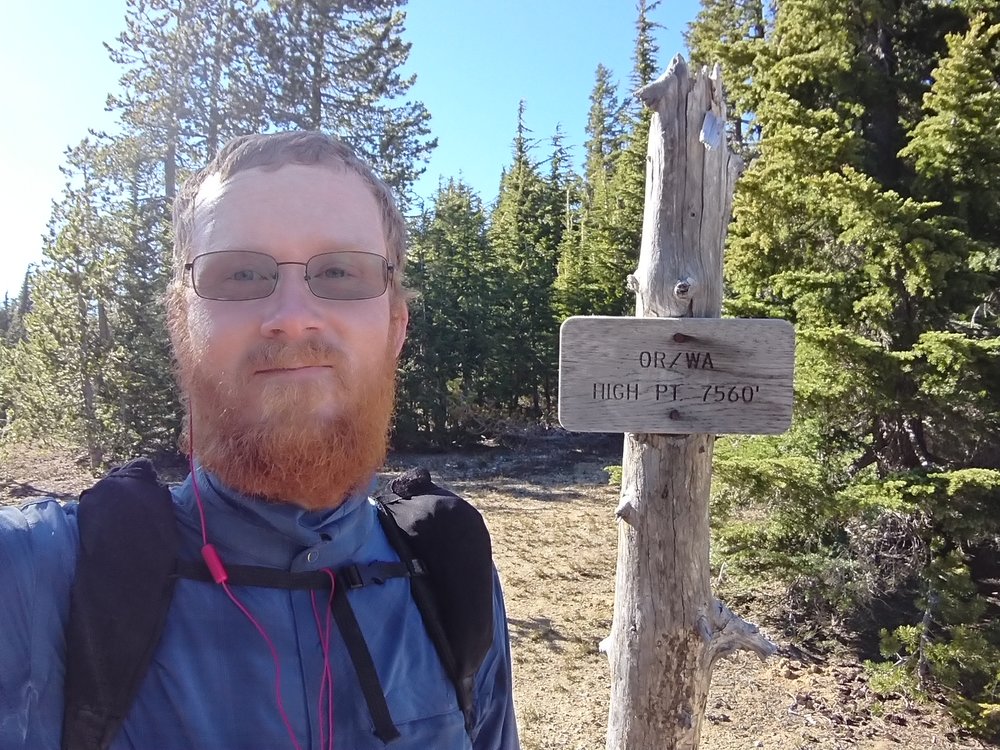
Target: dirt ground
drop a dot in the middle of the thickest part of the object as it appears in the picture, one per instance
(550, 511)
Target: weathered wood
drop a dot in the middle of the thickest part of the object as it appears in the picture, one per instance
(676, 375)
(668, 629)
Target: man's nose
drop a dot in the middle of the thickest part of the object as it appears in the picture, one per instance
(291, 310)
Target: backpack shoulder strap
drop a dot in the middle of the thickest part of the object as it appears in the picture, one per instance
(119, 600)
(437, 533)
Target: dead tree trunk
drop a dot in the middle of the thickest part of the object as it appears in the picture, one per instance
(668, 629)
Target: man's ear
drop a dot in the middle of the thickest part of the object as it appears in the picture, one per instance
(400, 319)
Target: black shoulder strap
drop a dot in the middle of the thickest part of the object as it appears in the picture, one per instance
(113, 630)
(434, 529)
(353, 576)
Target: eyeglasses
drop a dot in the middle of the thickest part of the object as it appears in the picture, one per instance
(235, 275)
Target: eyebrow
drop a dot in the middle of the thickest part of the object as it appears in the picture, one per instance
(345, 247)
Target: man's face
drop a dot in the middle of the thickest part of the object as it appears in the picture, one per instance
(278, 383)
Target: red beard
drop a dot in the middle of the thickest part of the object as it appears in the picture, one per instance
(264, 438)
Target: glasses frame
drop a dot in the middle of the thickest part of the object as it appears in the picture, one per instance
(389, 268)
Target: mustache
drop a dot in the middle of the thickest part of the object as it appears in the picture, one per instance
(273, 355)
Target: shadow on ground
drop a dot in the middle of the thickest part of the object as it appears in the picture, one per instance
(26, 491)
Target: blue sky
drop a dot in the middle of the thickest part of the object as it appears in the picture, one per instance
(474, 61)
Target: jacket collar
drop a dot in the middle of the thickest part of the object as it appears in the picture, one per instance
(248, 530)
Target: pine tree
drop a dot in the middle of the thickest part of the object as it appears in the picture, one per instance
(445, 392)
(576, 290)
(614, 228)
(562, 192)
(6, 313)
(604, 129)
(525, 232)
(142, 403)
(62, 357)
(18, 309)
(93, 364)
(644, 61)
(730, 33)
(956, 160)
(229, 94)
(851, 222)
(337, 67)
(193, 79)
(157, 82)
(6, 373)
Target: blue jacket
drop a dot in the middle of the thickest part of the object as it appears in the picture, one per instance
(211, 684)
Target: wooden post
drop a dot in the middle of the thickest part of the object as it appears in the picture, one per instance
(668, 629)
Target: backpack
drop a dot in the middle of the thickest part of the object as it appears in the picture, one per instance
(128, 565)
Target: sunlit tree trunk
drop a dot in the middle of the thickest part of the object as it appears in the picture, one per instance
(668, 629)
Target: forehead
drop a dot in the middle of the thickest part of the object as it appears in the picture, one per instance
(293, 210)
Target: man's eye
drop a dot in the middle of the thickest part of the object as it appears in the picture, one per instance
(245, 275)
(333, 272)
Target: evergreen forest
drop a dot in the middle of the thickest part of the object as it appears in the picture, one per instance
(868, 214)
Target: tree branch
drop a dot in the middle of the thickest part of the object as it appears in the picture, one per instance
(863, 461)
(725, 633)
(915, 434)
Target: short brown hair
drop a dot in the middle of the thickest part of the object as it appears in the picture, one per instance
(272, 151)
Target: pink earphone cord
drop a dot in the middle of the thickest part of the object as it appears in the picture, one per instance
(220, 576)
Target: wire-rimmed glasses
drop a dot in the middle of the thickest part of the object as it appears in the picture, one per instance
(237, 275)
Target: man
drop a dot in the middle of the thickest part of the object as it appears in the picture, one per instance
(287, 315)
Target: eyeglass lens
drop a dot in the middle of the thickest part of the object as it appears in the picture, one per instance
(245, 275)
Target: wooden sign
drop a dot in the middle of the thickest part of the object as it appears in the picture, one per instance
(676, 375)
